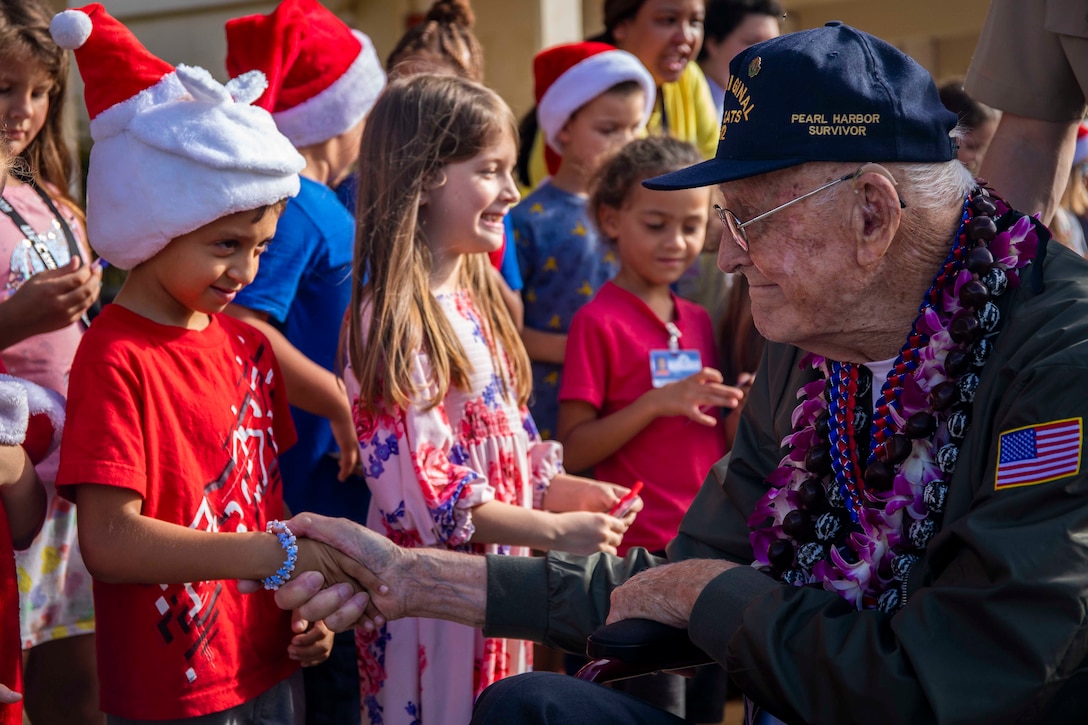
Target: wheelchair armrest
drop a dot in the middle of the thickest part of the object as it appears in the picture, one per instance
(635, 647)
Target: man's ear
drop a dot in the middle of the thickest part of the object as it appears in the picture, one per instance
(876, 216)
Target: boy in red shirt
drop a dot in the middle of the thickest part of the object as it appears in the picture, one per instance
(176, 413)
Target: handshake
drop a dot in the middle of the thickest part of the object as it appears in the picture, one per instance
(343, 574)
(350, 576)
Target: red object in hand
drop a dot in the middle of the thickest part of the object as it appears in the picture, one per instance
(624, 505)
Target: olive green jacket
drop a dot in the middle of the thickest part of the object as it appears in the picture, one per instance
(995, 626)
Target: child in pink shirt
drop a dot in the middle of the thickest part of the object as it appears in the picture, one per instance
(640, 389)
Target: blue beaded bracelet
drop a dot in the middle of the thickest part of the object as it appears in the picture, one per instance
(290, 545)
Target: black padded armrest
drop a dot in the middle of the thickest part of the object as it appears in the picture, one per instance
(640, 642)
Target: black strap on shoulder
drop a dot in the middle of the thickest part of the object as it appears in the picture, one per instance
(39, 245)
(69, 235)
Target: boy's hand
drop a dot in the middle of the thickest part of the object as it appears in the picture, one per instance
(312, 643)
(689, 396)
(333, 565)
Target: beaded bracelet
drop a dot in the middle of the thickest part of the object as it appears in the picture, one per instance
(290, 545)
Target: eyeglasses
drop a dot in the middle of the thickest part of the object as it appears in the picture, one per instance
(736, 226)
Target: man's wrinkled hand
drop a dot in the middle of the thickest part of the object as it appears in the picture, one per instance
(362, 572)
(665, 593)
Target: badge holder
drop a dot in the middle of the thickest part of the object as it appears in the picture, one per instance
(674, 364)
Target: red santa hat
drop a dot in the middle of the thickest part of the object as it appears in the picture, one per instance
(30, 416)
(567, 77)
(323, 77)
(173, 148)
(1080, 154)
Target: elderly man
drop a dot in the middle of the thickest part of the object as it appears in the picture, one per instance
(900, 534)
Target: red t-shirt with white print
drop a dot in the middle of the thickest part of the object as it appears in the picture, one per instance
(192, 421)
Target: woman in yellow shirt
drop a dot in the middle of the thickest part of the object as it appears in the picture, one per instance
(666, 36)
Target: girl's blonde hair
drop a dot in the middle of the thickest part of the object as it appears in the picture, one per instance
(419, 125)
(25, 38)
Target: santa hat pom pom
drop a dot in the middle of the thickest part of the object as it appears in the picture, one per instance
(70, 29)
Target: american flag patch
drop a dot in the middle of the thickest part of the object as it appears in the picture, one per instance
(1038, 453)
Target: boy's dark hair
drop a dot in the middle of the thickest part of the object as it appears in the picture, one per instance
(634, 163)
(971, 112)
(260, 212)
(725, 16)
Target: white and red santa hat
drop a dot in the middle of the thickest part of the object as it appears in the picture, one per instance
(1080, 154)
(174, 149)
(323, 77)
(30, 416)
(567, 77)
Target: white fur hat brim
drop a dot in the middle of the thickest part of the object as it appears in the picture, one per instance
(341, 106)
(586, 80)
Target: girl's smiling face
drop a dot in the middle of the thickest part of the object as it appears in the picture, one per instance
(463, 213)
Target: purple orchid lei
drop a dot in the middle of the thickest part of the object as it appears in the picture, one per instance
(826, 522)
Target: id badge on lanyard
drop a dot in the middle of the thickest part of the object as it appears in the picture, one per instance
(674, 364)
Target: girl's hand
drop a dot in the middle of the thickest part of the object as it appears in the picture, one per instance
(574, 493)
(689, 396)
(581, 532)
(54, 299)
(312, 644)
(343, 431)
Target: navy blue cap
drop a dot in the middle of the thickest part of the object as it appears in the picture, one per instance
(828, 94)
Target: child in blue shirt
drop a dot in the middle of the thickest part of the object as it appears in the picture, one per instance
(591, 100)
(319, 93)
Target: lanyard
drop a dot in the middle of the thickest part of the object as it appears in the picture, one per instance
(674, 336)
(39, 245)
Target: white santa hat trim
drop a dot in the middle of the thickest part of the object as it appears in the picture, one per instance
(586, 80)
(20, 400)
(339, 107)
(14, 411)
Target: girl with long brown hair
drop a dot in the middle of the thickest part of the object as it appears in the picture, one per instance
(439, 381)
(47, 284)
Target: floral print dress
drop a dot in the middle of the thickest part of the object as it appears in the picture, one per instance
(426, 470)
